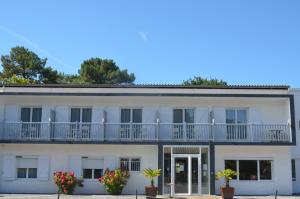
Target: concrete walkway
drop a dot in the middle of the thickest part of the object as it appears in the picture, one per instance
(36, 196)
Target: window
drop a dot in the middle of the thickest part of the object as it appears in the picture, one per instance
(293, 169)
(92, 168)
(181, 116)
(265, 167)
(248, 169)
(26, 167)
(231, 164)
(236, 120)
(130, 164)
(251, 169)
(131, 126)
(31, 118)
(81, 119)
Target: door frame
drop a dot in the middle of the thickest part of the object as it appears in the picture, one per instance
(189, 157)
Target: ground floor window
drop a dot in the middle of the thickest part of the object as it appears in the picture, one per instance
(26, 167)
(130, 164)
(251, 169)
(293, 170)
(92, 168)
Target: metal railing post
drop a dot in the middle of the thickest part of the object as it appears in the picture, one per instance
(157, 130)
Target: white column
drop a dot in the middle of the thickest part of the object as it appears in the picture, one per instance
(172, 172)
(199, 172)
(189, 175)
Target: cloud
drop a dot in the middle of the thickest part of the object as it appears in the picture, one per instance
(143, 36)
(34, 45)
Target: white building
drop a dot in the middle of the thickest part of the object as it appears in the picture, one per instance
(189, 132)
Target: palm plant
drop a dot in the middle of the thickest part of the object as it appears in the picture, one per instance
(151, 174)
(227, 174)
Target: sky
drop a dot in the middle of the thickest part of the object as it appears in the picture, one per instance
(162, 41)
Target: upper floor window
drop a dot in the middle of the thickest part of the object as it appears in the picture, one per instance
(26, 167)
(236, 124)
(133, 115)
(183, 115)
(31, 122)
(83, 115)
(30, 114)
(236, 116)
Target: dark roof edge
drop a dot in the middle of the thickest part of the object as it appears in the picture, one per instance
(163, 86)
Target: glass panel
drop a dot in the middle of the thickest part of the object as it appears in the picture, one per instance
(230, 116)
(124, 163)
(189, 115)
(36, 114)
(167, 170)
(195, 175)
(25, 114)
(21, 173)
(32, 173)
(87, 173)
(205, 171)
(181, 175)
(248, 169)
(265, 169)
(177, 116)
(125, 115)
(75, 114)
(97, 173)
(86, 115)
(231, 164)
(135, 164)
(293, 169)
(137, 115)
(241, 116)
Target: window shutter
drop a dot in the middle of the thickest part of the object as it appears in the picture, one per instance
(9, 167)
(43, 168)
(201, 115)
(110, 162)
(255, 115)
(219, 115)
(75, 165)
(12, 113)
(62, 114)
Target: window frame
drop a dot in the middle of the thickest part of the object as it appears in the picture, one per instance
(26, 168)
(130, 161)
(183, 109)
(31, 113)
(80, 113)
(236, 109)
(131, 114)
(258, 169)
(93, 169)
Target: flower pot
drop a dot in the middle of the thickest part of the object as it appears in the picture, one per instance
(227, 192)
(151, 191)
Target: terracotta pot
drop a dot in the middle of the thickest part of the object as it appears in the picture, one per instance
(151, 191)
(227, 192)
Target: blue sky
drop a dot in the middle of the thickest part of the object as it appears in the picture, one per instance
(242, 41)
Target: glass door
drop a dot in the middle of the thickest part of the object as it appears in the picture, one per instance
(181, 176)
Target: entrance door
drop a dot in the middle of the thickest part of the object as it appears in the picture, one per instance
(186, 174)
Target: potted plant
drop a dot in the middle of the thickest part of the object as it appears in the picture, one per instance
(114, 181)
(227, 174)
(151, 174)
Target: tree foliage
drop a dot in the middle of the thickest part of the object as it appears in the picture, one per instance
(205, 82)
(23, 63)
(104, 71)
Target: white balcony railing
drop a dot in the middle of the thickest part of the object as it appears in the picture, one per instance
(139, 132)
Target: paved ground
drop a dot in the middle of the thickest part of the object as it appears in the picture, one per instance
(34, 196)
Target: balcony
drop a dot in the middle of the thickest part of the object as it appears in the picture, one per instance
(145, 132)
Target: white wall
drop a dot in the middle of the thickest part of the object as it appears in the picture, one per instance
(281, 175)
(60, 155)
(268, 110)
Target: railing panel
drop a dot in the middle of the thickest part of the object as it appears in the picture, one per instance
(139, 132)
